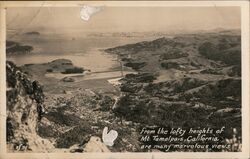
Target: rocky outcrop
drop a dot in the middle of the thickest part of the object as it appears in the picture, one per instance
(24, 110)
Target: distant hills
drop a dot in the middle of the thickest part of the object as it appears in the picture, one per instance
(190, 80)
(32, 33)
(13, 47)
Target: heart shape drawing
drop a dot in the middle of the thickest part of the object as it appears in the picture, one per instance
(109, 138)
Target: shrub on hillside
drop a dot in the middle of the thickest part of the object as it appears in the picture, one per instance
(73, 70)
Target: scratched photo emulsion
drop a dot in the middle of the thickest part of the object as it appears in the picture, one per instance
(123, 79)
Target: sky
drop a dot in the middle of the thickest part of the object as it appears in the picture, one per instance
(124, 19)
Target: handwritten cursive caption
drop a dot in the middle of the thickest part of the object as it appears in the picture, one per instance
(179, 139)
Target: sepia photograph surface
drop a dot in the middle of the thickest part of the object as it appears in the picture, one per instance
(138, 79)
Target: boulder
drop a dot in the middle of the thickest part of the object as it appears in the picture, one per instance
(95, 145)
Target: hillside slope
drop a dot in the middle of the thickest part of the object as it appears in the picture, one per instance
(187, 81)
